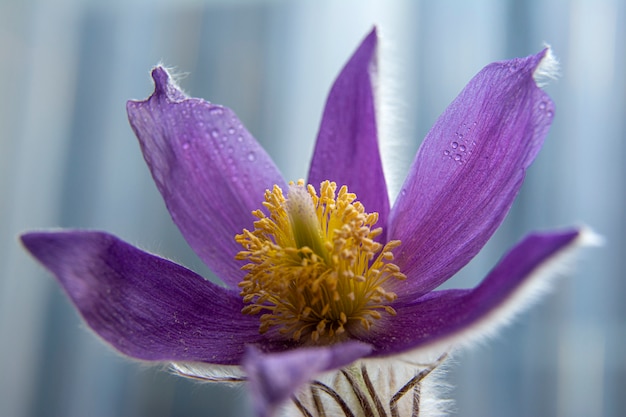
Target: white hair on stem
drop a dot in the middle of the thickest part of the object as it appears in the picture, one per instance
(375, 387)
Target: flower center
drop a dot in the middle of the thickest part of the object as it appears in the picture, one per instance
(314, 268)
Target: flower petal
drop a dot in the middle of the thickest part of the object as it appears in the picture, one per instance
(453, 317)
(346, 150)
(468, 171)
(145, 306)
(211, 172)
(274, 377)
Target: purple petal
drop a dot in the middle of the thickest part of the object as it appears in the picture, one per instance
(211, 172)
(145, 306)
(274, 377)
(468, 171)
(452, 317)
(347, 143)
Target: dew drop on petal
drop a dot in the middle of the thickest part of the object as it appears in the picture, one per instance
(446, 152)
(457, 157)
(239, 138)
(216, 111)
(231, 131)
(251, 156)
(215, 133)
(455, 145)
(549, 113)
(462, 148)
(186, 145)
(542, 105)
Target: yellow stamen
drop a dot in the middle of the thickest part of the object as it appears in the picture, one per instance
(314, 268)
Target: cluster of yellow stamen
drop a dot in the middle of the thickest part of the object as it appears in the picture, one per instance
(314, 268)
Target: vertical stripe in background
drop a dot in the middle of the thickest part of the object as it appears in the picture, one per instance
(68, 158)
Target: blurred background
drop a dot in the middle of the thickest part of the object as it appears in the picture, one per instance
(69, 159)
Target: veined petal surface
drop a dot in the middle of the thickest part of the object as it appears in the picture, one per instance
(210, 170)
(453, 317)
(346, 150)
(146, 307)
(468, 171)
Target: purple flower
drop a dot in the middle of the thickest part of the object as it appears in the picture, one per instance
(318, 275)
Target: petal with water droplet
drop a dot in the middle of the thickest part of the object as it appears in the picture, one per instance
(209, 196)
(455, 201)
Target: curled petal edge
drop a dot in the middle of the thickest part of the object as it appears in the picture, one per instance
(536, 285)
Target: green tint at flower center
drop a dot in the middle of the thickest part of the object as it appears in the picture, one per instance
(314, 270)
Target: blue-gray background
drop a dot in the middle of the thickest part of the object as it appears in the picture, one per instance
(69, 159)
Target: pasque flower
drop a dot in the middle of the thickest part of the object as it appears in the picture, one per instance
(320, 273)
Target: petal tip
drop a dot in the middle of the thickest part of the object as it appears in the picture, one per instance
(587, 237)
(161, 79)
(165, 85)
(547, 68)
(33, 241)
(373, 33)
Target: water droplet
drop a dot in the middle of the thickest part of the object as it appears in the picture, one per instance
(231, 131)
(549, 113)
(239, 138)
(462, 148)
(230, 149)
(542, 105)
(457, 157)
(446, 152)
(186, 145)
(403, 192)
(215, 133)
(251, 156)
(460, 135)
(455, 145)
(216, 111)
(224, 138)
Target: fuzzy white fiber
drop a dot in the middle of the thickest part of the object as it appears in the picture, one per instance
(537, 285)
(388, 377)
(547, 70)
(206, 372)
